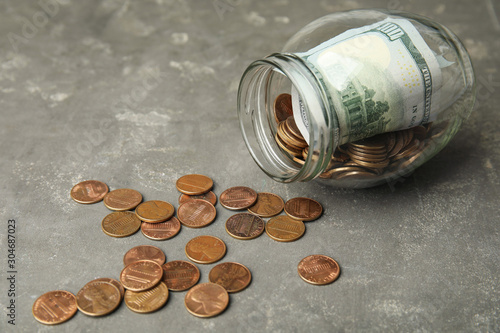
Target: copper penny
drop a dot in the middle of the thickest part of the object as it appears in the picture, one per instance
(154, 211)
(122, 199)
(54, 307)
(180, 275)
(115, 283)
(245, 226)
(89, 191)
(98, 298)
(205, 249)
(206, 300)
(120, 224)
(318, 269)
(147, 301)
(209, 196)
(283, 107)
(267, 205)
(232, 276)
(239, 197)
(141, 275)
(303, 209)
(194, 184)
(162, 230)
(196, 213)
(285, 229)
(144, 252)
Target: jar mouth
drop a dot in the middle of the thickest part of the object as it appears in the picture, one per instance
(261, 83)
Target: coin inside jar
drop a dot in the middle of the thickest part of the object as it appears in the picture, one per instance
(238, 197)
(147, 301)
(283, 107)
(206, 300)
(283, 228)
(180, 275)
(120, 224)
(303, 209)
(209, 196)
(162, 230)
(144, 252)
(89, 191)
(232, 276)
(54, 307)
(245, 226)
(98, 298)
(154, 211)
(267, 205)
(205, 249)
(196, 213)
(318, 269)
(141, 275)
(122, 199)
(194, 184)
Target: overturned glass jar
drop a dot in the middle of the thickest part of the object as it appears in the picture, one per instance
(356, 99)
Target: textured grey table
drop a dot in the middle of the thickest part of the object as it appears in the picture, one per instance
(138, 93)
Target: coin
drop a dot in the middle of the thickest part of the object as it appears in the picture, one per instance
(120, 224)
(285, 229)
(141, 275)
(144, 252)
(206, 300)
(89, 191)
(209, 196)
(194, 184)
(196, 213)
(283, 107)
(303, 209)
(232, 276)
(238, 197)
(147, 301)
(98, 298)
(245, 226)
(115, 283)
(205, 249)
(162, 230)
(54, 307)
(122, 199)
(318, 269)
(267, 205)
(154, 211)
(180, 275)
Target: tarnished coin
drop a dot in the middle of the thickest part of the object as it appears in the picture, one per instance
(205, 249)
(154, 211)
(238, 197)
(54, 307)
(194, 184)
(115, 283)
(162, 230)
(98, 298)
(232, 276)
(120, 224)
(303, 209)
(122, 199)
(245, 226)
(144, 252)
(209, 196)
(196, 213)
(318, 269)
(89, 191)
(283, 107)
(206, 300)
(147, 301)
(180, 275)
(141, 275)
(285, 229)
(267, 205)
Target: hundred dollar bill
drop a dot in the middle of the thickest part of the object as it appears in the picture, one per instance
(381, 77)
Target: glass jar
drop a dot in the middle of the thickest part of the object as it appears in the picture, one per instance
(356, 99)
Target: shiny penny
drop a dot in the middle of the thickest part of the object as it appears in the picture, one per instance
(318, 269)
(283, 107)
(141, 275)
(154, 211)
(98, 298)
(89, 191)
(303, 209)
(54, 307)
(147, 301)
(285, 229)
(238, 197)
(180, 275)
(245, 226)
(209, 196)
(205, 249)
(196, 213)
(232, 276)
(162, 230)
(267, 205)
(144, 252)
(122, 199)
(206, 300)
(115, 283)
(194, 184)
(120, 224)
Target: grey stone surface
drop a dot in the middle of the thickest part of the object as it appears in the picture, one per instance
(138, 93)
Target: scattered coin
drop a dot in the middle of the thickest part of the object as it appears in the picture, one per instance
(206, 300)
(98, 298)
(89, 191)
(196, 213)
(209, 196)
(283, 107)
(54, 307)
(122, 199)
(147, 301)
(141, 275)
(115, 283)
(162, 230)
(205, 249)
(232, 276)
(238, 197)
(194, 184)
(144, 252)
(245, 226)
(318, 269)
(303, 209)
(285, 229)
(267, 205)
(154, 211)
(120, 224)
(180, 275)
